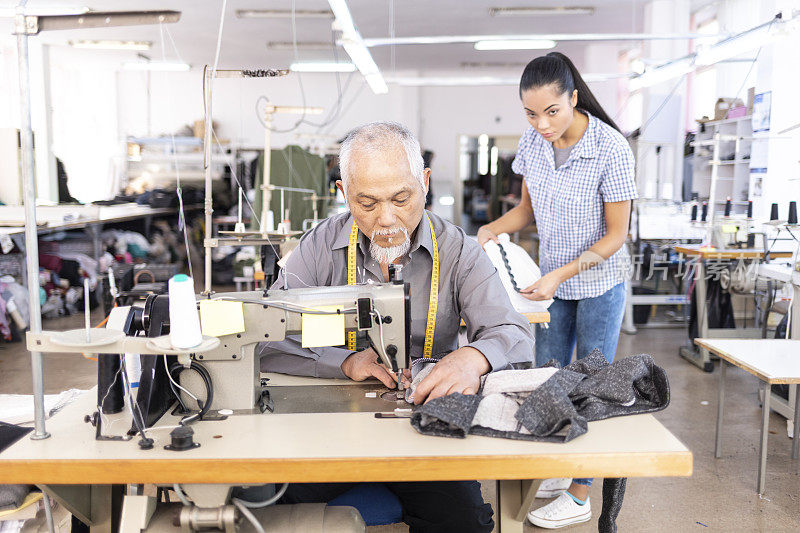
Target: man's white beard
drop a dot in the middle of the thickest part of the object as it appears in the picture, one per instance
(385, 255)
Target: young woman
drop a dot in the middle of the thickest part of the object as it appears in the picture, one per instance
(579, 183)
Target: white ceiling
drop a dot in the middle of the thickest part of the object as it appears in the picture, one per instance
(244, 40)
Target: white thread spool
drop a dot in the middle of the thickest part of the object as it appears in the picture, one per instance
(184, 320)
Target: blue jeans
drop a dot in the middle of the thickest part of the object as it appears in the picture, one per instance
(591, 322)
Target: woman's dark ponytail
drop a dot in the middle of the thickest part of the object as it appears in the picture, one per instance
(556, 69)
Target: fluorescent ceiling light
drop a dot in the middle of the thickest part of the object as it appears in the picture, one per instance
(300, 46)
(447, 200)
(354, 45)
(165, 66)
(654, 76)
(475, 81)
(741, 43)
(112, 45)
(7, 12)
(735, 46)
(539, 11)
(455, 39)
(322, 66)
(283, 14)
(516, 44)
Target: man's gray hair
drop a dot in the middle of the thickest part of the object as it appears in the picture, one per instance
(377, 137)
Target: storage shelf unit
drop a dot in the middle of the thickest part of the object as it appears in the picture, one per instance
(733, 179)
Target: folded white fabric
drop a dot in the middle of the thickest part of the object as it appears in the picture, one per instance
(503, 391)
(516, 381)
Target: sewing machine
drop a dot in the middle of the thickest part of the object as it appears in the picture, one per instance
(232, 368)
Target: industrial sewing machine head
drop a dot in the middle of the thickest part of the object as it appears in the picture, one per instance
(380, 310)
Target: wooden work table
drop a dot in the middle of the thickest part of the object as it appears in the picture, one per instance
(342, 446)
(727, 253)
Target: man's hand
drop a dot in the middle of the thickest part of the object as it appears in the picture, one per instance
(544, 288)
(459, 371)
(364, 364)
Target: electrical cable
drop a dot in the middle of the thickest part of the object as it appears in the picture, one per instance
(203, 406)
(178, 189)
(265, 503)
(248, 514)
(174, 383)
(181, 496)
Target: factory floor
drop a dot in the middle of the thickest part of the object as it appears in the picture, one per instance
(720, 495)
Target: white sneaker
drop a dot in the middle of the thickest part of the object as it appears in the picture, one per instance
(550, 488)
(561, 512)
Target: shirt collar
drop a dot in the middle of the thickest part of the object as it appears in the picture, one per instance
(585, 147)
(422, 236)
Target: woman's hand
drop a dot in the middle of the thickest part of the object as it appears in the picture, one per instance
(485, 235)
(545, 288)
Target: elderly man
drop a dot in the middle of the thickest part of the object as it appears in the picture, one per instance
(384, 184)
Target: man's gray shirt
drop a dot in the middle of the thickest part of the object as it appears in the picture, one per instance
(469, 289)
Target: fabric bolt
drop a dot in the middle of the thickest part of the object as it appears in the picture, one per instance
(568, 201)
(12, 496)
(591, 323)
(469, 288)
(428, 507)
(71, 271)
(50, 262)
(5, 324)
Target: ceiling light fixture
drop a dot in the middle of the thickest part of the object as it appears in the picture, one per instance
(476, 81)
(723, 50)
(164, 66)
(309, 46)
(558, 37)
(516, 44)
(354, 45)
(283, 14)
(112, 45)
(539, 11)
(321, 66)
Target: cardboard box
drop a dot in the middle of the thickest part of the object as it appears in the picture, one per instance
(724, 105)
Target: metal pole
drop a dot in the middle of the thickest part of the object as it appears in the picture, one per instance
(266, 193)
(712, 192)
(720, 407)
(208, 79)
(31, 235)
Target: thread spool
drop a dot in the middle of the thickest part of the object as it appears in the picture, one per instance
(750, 209)
(184, 320)
(704, 212)
(694, 211)
(792, 213)
(773, 214)
(728, 206)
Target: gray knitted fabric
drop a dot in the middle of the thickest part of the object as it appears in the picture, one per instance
(12, 496)
(560, 409)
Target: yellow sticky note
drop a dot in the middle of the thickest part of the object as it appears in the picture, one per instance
(220, 317)
(729, 228)
(322, 330)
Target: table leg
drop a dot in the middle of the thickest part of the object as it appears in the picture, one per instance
(762, 460)
(720, 405)
(796, 431)
(529, 489)
(509, 499)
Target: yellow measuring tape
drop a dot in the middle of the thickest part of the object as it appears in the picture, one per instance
(430, 327)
